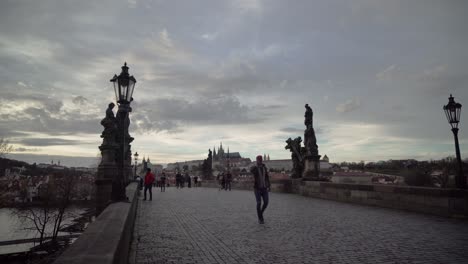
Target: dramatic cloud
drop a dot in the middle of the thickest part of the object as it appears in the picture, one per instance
(349, 105)
(49, 142)
(376, 74)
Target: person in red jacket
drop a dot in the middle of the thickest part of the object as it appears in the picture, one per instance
(149, 180)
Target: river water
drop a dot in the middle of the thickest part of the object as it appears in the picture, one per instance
(13, 228)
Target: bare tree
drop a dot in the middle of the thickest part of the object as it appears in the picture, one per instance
(65, 187)
(39, 218)
(5, 147)
(48, 217)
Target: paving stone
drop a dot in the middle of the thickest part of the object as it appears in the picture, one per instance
(206, 225)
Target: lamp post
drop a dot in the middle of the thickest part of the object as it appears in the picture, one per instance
(135, 164)
(452, 111)
(124, 85)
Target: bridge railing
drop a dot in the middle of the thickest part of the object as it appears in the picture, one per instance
(107, 240)
(436, 201)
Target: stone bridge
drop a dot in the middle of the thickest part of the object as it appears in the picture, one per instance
(208, 225)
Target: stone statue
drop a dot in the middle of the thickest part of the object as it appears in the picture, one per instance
(110, 126)
(123, 120)
(109, 112)
(306, 160)
(308, 116)
(310, 141)
(297, 156)
(207, 166)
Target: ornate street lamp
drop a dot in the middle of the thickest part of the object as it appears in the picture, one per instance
(124, 84)
(135, 164)
(452, 111)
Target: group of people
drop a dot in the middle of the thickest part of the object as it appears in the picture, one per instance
(260, 176)
(149, 181)
(224, 180)
(182, 179)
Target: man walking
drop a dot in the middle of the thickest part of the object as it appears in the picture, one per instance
(163, 182)
(261, 187)
(149, 180)
(178, 179)
(228, 181)
(188, 180)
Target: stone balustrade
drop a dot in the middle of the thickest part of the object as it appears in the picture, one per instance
(437, 201)
(107, 240)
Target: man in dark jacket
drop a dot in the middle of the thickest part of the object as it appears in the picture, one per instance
(178, 180)
(163, 182)
(228, 181)
(261, 187)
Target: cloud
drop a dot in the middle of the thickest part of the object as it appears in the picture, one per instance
(387, 74)
(165, 39)
(292, 130)
(435, 73)
(210, 36)
(132, 3)
(20, 83)
(247, 5)
(178, 113)
(349, 106)
(21, 149)
(39, 113)
(42, 142)
(79, 100)
(442, 79)
(241, 65)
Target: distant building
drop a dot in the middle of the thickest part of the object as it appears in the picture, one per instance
(325, 158)
(43, 165)
(145, 164)
(180, 165)
(287, 164)
(352, 177)
(280, 165)
(231, 160)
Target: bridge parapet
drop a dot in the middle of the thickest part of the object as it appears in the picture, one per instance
(436, 201)
(106, 240)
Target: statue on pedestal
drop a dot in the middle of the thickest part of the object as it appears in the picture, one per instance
(107, 169)
(310, 141)
(123, 123)
(297, 156)
(110, 127)
(207, 166)
(306, 160)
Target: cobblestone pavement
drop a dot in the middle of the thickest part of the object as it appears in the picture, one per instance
(205, 225)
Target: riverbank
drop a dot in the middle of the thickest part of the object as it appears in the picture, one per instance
(20, 246)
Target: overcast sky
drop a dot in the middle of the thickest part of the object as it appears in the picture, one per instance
(376, 74)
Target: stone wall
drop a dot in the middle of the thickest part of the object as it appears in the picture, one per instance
(106, 240)
(442, 202)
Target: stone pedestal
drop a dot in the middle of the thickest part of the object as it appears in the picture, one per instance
(311, 168)
(106, 172)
